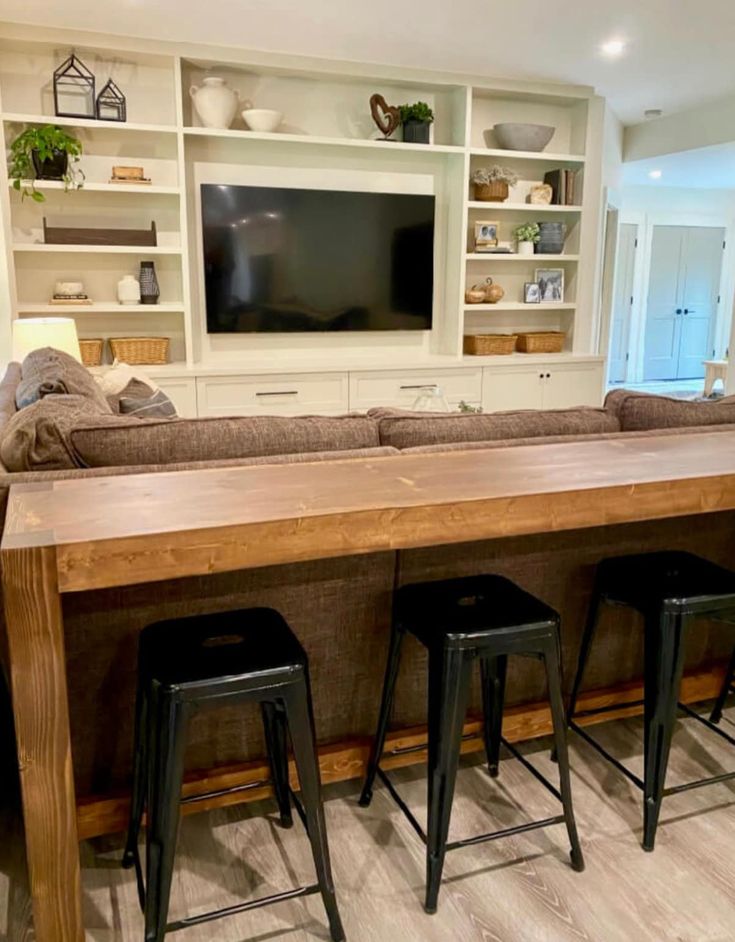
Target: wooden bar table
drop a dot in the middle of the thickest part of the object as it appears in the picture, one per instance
(77, 535)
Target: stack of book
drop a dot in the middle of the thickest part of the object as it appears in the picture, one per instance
(564, 185)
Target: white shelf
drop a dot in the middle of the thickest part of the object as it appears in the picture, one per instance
(527, 155)
(98, 249)
(519, 306)
(90, 123)
(517, 359)
(315, 140)
(522, 207)
(511, 257)
(100, 307)
(104, 187)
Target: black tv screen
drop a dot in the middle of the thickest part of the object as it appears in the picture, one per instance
(283, 260)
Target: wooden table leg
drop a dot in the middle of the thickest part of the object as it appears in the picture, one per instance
(38, 674)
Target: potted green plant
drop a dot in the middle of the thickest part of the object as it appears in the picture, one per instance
(44, 153)
(527, 235)
(416, 120)
(492, 183)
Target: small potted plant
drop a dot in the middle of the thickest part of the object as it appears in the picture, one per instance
(416, 120)
(492, 183)
(527, 235)
(44, 153)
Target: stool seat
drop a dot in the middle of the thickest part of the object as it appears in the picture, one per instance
(462, 610)
(200, 648)
(670, 580)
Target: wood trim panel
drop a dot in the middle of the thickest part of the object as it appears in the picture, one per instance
(342, 761)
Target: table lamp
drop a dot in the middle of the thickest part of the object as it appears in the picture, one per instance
(30, 333)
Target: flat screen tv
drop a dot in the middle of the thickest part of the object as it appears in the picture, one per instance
(284, 260)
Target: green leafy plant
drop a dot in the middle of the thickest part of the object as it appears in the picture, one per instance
(466, 407)
(528, 232)
(495, 174)
(417, 112)
(46, 142)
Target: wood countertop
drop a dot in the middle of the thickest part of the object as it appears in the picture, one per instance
(143, 528)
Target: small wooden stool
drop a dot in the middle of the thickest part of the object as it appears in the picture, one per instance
(714, 370)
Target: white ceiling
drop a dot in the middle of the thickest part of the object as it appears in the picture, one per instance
(707, 168)
(679, 52)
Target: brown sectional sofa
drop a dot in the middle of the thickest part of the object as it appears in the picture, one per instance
(340, 608)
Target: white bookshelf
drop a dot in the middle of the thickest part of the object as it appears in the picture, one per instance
(327, 131)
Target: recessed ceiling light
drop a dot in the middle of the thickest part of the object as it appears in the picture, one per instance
(613, 48)
(655, 174)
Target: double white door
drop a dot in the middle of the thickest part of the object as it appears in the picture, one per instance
(683, 295)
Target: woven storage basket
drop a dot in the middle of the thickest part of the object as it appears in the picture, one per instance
(146, 351)
(486, 345)
(91, 351)
(541, 341)
(496, 192)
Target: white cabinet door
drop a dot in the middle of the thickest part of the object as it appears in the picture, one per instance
(400, 388)
(183, 394)
(573, 384)
(515, 388)
(288, 394)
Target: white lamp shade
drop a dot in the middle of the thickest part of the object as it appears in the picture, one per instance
(30, 333)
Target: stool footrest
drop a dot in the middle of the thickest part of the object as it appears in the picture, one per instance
(242, 907)
(506, 832)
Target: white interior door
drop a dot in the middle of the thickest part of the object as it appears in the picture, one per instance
(663, 324)
(622, 303)
(700, 287)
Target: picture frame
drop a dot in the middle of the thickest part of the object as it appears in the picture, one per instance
(531, 293)
(551, 284)
(486, 234)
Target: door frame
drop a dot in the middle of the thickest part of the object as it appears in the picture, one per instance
(610, 298)
(724, 315)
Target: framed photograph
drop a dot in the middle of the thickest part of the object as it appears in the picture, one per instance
(486, 234)
(531, 293)
(551, 284)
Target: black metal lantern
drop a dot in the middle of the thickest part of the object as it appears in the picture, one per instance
(111, 104)
(74, 90)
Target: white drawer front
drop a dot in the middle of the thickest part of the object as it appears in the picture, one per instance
(401, 388)
(183, 394)
(287, 394)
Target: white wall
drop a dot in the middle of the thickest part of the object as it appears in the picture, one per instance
(707, 124)
(648, 206)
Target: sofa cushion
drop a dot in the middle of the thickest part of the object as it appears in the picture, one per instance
(644, 412)
(165, 442)
(408, 430)
(49, 372)
(37, 438)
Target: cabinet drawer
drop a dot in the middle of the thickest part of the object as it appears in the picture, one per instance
(401, 388)
(286, 394)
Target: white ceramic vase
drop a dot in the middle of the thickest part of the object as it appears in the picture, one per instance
(128, 290)
(215, 102)
(525, 248)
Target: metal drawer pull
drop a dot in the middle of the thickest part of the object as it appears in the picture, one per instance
(285, 392)
(420, 386)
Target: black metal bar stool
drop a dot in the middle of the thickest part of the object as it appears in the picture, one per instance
(460, 621)
(728, 687)
(670, 590)
(194, 663)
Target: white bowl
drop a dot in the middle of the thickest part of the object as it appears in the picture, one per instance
(532, 137)
(262, 119)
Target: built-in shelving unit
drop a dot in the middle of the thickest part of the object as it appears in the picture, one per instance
(327, 133)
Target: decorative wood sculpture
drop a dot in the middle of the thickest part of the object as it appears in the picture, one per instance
(387, 117)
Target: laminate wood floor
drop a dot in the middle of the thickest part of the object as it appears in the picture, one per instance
(520, 889)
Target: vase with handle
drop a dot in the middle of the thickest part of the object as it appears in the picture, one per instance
(214, 102)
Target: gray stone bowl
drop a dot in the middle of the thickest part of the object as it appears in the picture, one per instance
(532, 137)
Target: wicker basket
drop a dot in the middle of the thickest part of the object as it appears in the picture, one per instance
(541, 341)
(496, 192)
(487, 345)
(146, 351)
(91, 351)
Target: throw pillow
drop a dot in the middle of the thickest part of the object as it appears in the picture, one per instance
(139, 400)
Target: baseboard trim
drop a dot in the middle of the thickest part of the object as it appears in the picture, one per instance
(346, 760)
